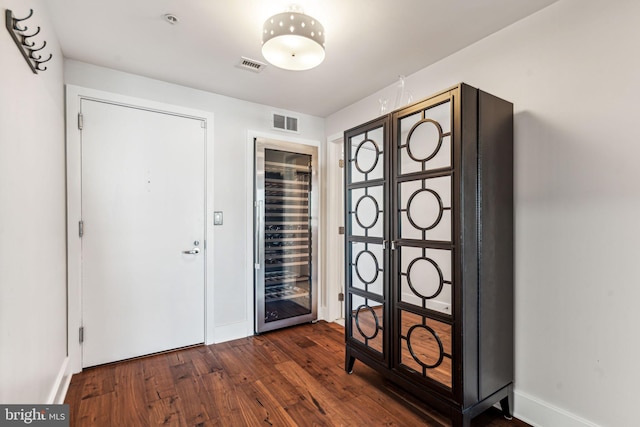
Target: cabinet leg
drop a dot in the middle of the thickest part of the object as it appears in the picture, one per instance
(507, 406)
(348, 363)
(461, 420)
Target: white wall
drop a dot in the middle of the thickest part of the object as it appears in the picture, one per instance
(573, 73)
(234, 121)
(33, 337)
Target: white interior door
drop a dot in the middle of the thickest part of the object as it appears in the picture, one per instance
(143, 206)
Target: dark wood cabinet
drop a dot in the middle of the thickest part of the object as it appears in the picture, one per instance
(429, 250)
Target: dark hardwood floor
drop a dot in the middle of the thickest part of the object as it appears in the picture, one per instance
(290, 377)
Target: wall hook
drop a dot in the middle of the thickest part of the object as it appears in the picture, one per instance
(44, 43)
(25, 37)
(16, 20)
(25, 45)
(38, 62)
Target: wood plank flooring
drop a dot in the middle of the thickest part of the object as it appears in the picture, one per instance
(290, 377)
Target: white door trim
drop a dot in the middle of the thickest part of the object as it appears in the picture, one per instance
(335, 219)
(74, 94)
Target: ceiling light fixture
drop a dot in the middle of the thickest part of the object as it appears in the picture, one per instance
(293, 40)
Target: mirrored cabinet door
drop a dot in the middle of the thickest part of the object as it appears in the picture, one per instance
(366, 232)
(424, 241)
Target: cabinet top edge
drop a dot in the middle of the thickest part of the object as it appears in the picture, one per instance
(460, 87)
(382, 118)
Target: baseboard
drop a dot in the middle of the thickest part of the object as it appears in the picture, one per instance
(542, 414)
(61, 384)
(434, 304)
(232, 331)
(323, 313)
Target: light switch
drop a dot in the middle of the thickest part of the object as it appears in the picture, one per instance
(217, 218)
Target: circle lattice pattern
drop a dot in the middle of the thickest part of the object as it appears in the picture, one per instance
(366, 163)
(425, 278)
(425, 346)
(426, 136)
(367, 211)
(368, 325)
(424, 209)
(367, 267)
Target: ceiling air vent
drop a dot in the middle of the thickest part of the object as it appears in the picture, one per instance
(285, 122)
(251, 65)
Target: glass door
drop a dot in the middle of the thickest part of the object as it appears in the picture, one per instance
(285, 241)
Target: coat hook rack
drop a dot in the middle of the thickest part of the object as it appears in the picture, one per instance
(19, 34)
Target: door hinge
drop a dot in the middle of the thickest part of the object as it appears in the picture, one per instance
(81, 334)
(203, 124)
(341, 230)
(80, 121)
(340, 296)
(256, 266)
(81, 228)
(341, 163)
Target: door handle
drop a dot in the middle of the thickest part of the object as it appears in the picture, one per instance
(259, 234)
(194, 251)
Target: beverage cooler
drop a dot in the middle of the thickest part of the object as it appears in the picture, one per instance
(285, 241)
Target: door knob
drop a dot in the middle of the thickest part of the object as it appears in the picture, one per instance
(194, 251)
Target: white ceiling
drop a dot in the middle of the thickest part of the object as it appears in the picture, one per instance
(369, 43)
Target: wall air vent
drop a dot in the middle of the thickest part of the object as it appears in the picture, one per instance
(283, 122)
(250, 64)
